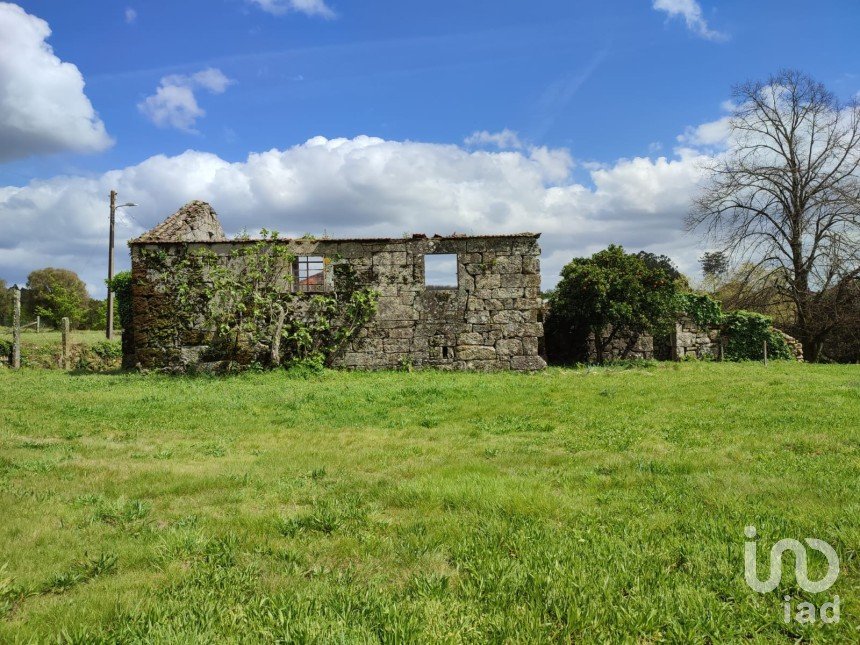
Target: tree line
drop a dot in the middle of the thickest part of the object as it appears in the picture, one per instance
(54, 294)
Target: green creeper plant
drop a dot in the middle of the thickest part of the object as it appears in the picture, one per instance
(245, 306)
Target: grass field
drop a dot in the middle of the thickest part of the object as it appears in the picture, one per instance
(599, 505)
(44, 349)
(29, 337)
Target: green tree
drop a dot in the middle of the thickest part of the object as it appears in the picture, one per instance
(55, 294)
(611, 291)
(95, 315)
(5, 304)
(654, 261)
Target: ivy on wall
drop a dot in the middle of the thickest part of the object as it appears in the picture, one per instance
(244, 308)
(121, 287)
(746, 331)
(701, 308)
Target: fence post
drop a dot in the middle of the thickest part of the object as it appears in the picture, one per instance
(16, 329)
(765, 352)
(65, 351)
(38, 324)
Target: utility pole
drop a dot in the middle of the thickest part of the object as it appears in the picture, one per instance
(16, 328)
(110, 266)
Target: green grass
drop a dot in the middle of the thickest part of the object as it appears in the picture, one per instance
(603, 505)
(53, 337)
(43, 349)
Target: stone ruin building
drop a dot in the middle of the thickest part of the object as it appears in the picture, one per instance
(687, 340)
(451, 302)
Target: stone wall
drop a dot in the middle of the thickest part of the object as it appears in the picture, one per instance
(691, 341)
(491, 320)
(622, 347)
(794, 345)
(687, 340)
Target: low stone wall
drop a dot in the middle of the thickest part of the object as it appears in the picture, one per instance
(622, 347)
(794, 345)
(688, 340)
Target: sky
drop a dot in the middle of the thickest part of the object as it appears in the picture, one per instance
(590, 122)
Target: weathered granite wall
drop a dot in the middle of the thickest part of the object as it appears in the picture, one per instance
(491, 319)
(690, 340)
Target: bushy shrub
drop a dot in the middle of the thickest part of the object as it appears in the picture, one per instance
(614, 292)
(5, 350)
(107, 349)
(747, 332)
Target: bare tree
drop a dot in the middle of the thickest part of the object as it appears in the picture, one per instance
(785, 198)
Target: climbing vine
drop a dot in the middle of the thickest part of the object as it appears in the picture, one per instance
(745, 331)
(704, 310)
(243, 306)
(120, 284)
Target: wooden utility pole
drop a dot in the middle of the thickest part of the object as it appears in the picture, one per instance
(110, 266)
(16, 328)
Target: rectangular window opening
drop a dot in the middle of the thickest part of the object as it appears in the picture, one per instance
(440, 271)
(309, 274)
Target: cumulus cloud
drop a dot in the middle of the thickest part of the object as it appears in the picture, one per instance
(712, 134)
(691, 12)
(43, 108)
(362, 186)
(174, 103)
(506, 139)
(130, 15)
(316, 8)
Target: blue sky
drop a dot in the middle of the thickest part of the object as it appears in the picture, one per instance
(603, 83)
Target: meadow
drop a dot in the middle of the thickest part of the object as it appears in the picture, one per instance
(88, 348)
(574, 505)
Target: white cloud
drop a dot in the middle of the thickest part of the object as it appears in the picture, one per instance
(691, 12)
(506, 139)
(130, 15)
(211, 78)
(43, 108)
(362, 186)
(174, 103)
(714, 134)
(307, 7)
